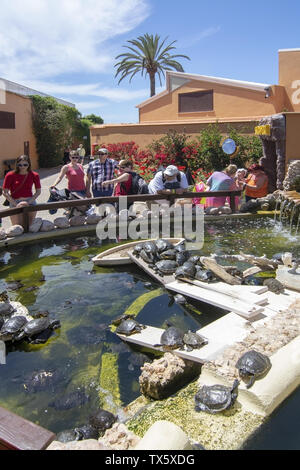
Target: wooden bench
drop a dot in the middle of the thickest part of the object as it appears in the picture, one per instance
(17, 433)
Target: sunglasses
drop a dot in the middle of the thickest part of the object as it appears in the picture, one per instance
(23, 164)
(75, 158)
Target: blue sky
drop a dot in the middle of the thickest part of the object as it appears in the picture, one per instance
(67, 48)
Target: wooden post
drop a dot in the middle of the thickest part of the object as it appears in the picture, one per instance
(232, 203)
(26, 211)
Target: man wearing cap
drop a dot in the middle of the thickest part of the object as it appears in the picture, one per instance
(167, 181)
(100, 170)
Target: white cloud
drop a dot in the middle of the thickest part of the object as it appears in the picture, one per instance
(190, 41)
(49, 38)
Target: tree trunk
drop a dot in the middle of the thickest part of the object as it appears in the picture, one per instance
(152, 84)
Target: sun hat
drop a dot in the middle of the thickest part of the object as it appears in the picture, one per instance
(103, 150)
(171, 170)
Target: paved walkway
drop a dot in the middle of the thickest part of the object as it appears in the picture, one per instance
(47, 176)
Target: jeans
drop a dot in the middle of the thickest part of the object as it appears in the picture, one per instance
(102, 192)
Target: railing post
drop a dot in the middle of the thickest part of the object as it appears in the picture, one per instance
(26, 211)
(232, 203)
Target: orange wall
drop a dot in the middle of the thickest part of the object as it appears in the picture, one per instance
(289, 77)
(292, 136)
(144, 134)
(12, 140)
(229, 102)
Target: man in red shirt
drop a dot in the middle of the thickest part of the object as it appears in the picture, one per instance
(17, 188)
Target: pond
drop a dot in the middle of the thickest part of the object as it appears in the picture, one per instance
(84, 362)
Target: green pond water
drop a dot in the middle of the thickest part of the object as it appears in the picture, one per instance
(84, 356)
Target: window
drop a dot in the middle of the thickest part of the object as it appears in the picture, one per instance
(7, 120)
(196, 101)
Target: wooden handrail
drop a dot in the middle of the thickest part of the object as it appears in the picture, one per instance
(113, 199)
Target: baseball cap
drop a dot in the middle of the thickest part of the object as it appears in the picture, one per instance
(171, 170)
(103, 150)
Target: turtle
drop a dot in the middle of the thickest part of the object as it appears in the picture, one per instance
(71, 400)
(186, 270)
(274, 285)
(102, 420)
(179, 299)
(5, 306)
(145, 257)
(13, 329)
(45, 380)
(129, 327)
(194, 259)
(42, 337)
(120, 318)
(182, 257)
(34, 327)
(204, 275)
(215, 398)
(180, 246)
(69, 435)
(193, 341)
(172, 338)
(137, 249)
(163, 245)
(252, 365)
(166, 266)
(168, 254)
(86, 431)
(150, 249)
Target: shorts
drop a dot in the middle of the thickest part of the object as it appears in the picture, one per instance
(22, 200)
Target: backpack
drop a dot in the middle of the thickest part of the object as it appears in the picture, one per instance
(138, 184)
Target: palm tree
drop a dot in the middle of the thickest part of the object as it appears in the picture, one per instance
(149, 56)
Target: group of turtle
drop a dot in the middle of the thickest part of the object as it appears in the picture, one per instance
(166, 259)
(216, 398)
(14, 327)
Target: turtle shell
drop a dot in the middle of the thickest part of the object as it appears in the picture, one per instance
(215, 398)
(36, 326)
(12, 326)
(163, 245)
(172, 338)
(204, 275)
(186, 270)
(150, 248)
(193, 340)
(166, 266)
(274, 285)
(180, 247)
(137, 249)
(168, 254)
(102, 420)
(129, 327)
(252, 365)
(182, 257)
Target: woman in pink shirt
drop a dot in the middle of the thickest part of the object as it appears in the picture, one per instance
(75, 175)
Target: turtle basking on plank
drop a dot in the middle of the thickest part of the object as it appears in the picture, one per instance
(193, 341)
(172, 338)
(129, 327)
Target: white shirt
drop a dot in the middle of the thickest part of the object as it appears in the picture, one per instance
(157, 184)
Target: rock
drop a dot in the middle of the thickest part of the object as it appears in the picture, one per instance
(292, 175)
(88, 444)
(119, 438)
(166, 375)
(77, 220)
(15, 231)
(212, 210)
(61, 222)
(250, 206)
(164, 435)
(36, 225)
(2, 234)
(47, 226)
(289, 279)
(93, 219)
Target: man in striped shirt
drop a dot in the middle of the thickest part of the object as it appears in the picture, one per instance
(100, 170)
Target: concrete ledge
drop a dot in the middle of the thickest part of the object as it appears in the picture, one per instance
(269, 392)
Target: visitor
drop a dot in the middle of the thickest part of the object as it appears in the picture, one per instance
(81, 153)
(17, 188)
(75, 175)
(199, 188)
(239, 181)
(123, 182)
(66, 158)
(221, 181)
(167, 181)
(256, 184)
(100, 170)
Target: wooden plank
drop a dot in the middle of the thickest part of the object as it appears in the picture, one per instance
(151, 336)
(237, 292)
(17, 433)
(210, 263)
(223, 301)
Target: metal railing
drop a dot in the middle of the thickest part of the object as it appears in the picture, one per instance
(113, 199)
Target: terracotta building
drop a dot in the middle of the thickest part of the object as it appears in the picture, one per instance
(190, 102)
(16, 135)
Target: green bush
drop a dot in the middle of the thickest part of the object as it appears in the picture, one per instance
(54, 126)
